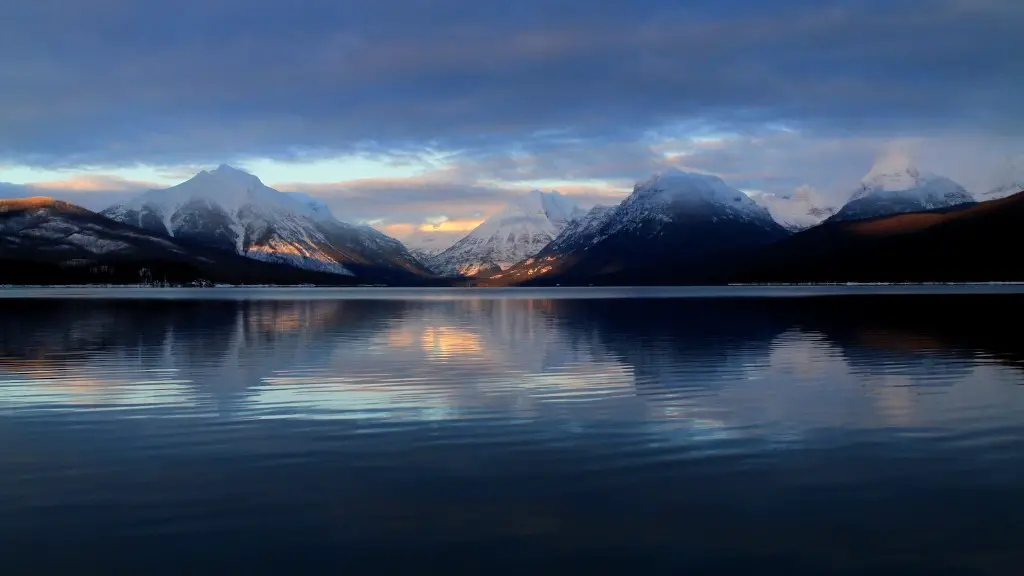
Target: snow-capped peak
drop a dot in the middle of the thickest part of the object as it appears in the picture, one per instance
(230, 172)
(231, 190)
(519, 230)
(892, 173)
(895, 186)
(677, 186)
(676, 194)
(232, 209)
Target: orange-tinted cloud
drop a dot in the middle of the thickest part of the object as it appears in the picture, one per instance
(94, 183)
(451, 226)
(397, 230)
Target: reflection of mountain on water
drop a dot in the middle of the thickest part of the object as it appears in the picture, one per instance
(222, 347)
(922, 337)
(733, 360)
(821, 362)
(673, 343)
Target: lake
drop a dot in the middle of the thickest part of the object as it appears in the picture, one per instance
(782, 430)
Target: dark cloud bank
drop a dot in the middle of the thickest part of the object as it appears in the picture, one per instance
(114, 82)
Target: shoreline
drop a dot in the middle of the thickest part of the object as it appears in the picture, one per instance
(490, 288)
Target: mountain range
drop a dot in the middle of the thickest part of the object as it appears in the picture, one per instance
(675, 217)
(225, 225)
(46, 241)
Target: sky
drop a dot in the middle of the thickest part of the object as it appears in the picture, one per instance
(413, 114)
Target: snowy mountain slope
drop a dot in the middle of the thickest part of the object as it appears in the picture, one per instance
(577, 236)
(1009, 180)
(518, 231)
(64, 230)
(675, 196)
(672, 220)
(1003, 190)
(582, 232)
(233, 210)
(895, 186)
(798, 210)
(43, 240)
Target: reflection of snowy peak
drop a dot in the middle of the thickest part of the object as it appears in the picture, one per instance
(233, 210)
(518, 231)
(798, 210)
(895, 186)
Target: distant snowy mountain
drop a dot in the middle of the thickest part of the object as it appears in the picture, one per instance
(674, 219)
(520, 230)
(576, 237)
(1003, 190)
(1010, 180)
(798, 210)
(895, 186)
(231, 209)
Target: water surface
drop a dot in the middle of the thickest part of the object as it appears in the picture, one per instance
(441, 431)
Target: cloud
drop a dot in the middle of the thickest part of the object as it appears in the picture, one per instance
(462, 226)
(782, 161)
(199, 81)
(94, 183)
(405, 200)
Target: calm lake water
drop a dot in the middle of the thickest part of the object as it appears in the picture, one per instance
(239, 430)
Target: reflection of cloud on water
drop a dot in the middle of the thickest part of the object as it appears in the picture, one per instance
(444, 342)
(49, 386)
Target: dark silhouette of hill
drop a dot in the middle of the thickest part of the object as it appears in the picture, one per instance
(975, 243)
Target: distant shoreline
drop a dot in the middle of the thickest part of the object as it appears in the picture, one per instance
(491, 288)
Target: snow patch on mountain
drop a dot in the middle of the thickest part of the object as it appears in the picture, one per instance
(520, 230)
(895, 186)
(797, 210)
